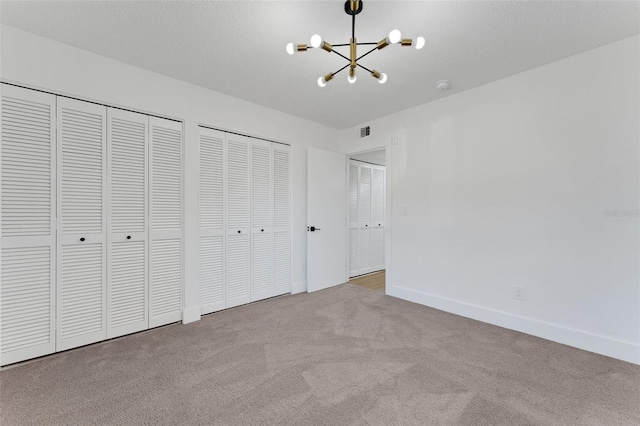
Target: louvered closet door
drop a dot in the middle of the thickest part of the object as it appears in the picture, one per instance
(212, 297)
(281, 219)
(27, 291)
(238, 221)
(364, 219)
(261, 221)
(127, 296)
(377, 218)
(165, 272)
(82, 215)
(354, 265)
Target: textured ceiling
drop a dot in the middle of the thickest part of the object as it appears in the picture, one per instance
(238, 47)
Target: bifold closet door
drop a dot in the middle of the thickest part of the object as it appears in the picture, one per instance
(377, 218)
(364, 220)
(165, 272)
(27, 290)
(212, 231)
(127, 294)
(238, 248)
(261, 221)
(82, 217)
(354, 226)
(281, 219)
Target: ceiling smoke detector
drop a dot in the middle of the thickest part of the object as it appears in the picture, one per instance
(443, 84)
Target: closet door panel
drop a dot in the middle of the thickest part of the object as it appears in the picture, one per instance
(261, 221)
(281, 170)
(238, 182)
(127, 289)
(82, 215)
(377, 196)
(364, 250)
(377, 218)
(165, 273)
(211, 208)
(238, 249)
(282, 262)
(261, 266)
(354, 265)
(238, 270)
(27, 286)
(212, 274)
(166, 290)
(377, 249)
(81, 294)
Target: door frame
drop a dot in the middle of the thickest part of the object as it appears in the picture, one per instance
(388, 217)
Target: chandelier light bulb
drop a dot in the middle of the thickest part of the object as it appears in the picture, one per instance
(322, 82)
(420, 42)
(290, 49)
(395, 36)
(316, 41)
(351, 79)
(382, 79)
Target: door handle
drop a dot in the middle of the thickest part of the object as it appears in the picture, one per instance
(312, 228)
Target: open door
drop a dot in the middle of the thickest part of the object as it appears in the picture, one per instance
(326, 220)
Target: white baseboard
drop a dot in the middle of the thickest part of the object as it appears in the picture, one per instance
(299, 287)
(626, 351)
(191, 314)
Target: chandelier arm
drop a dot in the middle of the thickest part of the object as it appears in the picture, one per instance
(334, 73)
(362, 44)
(365, 68)
(362, 56)
(340, 54)
(341, 45)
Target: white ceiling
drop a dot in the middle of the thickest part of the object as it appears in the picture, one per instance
(237, 47)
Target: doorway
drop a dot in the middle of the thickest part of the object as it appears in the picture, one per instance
(366, 212)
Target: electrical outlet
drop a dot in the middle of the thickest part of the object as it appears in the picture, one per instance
(518, 292)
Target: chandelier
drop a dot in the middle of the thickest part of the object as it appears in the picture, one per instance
(354, 7)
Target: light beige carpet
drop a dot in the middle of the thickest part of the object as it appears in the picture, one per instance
(342, 356)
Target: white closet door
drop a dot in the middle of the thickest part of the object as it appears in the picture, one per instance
(127, 291)
(81, 284)
(165, 273)
(364, 219)
(354, 265)
(238, 221)
(211, 209)
(261, 221)
(377, 218)
(27, 290)
(281, 219)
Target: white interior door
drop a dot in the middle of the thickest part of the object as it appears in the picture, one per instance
(27, 287)
(261, 221)
(238, 221)
(82, 218)
(281, 219)
(211, 205)
(165, 275)
(127, 290)
(326, 221)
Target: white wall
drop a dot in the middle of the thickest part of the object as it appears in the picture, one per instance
(46, 64)
(511, 184)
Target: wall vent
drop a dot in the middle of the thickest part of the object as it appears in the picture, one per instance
(365, 131)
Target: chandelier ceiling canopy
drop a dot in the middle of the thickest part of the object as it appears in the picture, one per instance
(352, 8)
